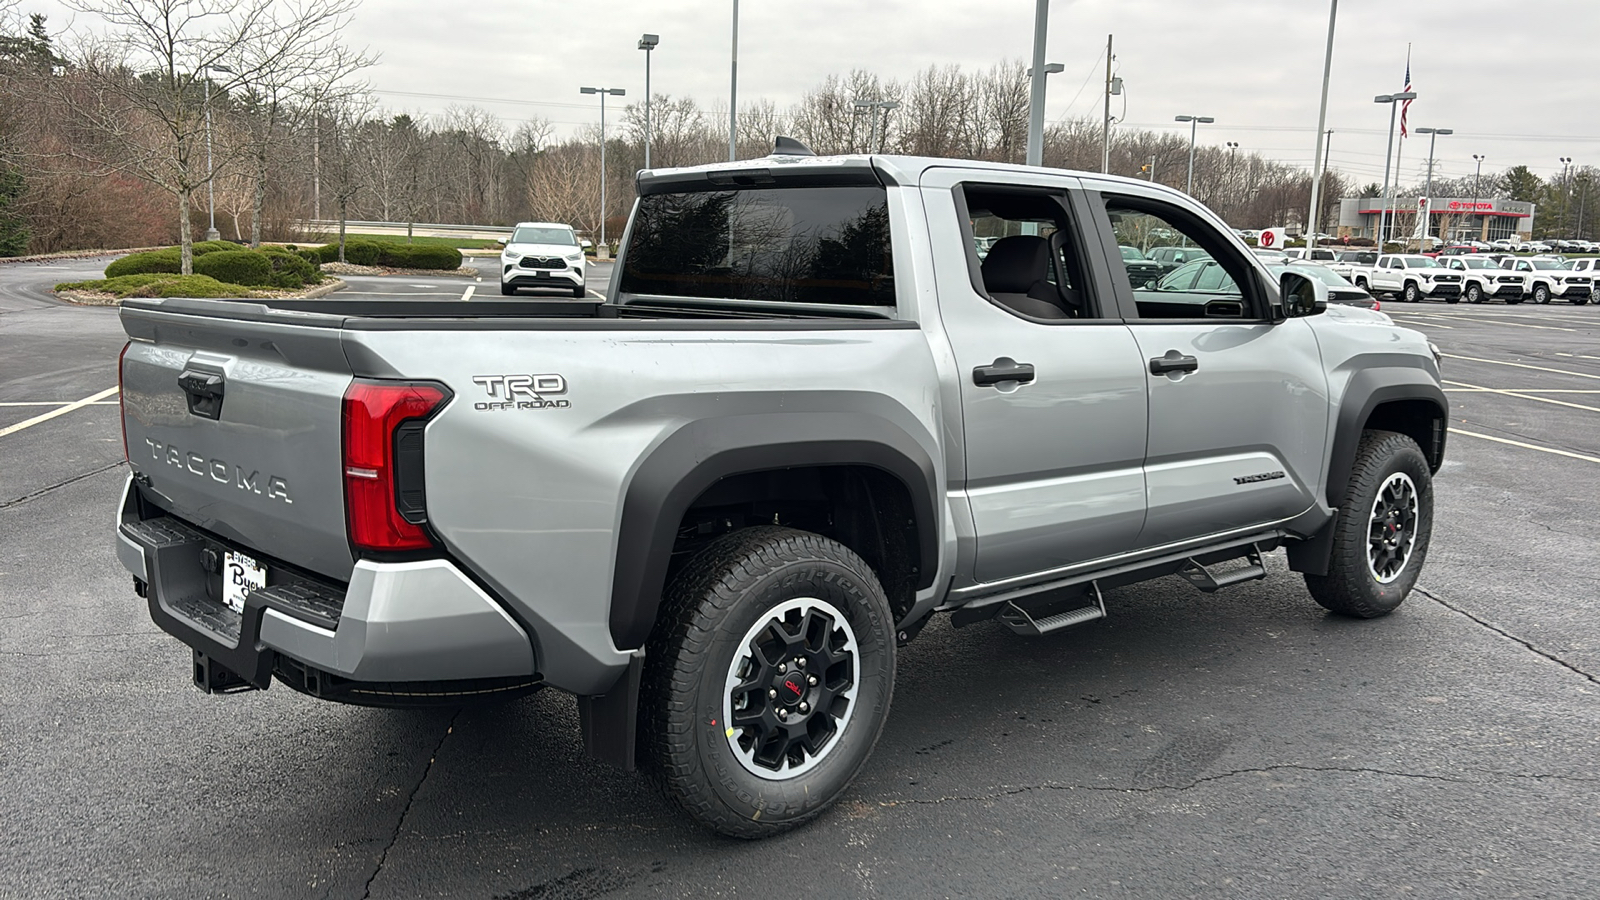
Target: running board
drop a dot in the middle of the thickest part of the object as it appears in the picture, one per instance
(1019, 620)
(1208, 581)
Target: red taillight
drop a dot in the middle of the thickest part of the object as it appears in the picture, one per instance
(373, 412)
(122, 404)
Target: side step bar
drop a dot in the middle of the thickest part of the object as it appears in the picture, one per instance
(1019, 620)
(1209, 581)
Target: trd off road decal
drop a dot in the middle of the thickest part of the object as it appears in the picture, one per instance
(522, 392)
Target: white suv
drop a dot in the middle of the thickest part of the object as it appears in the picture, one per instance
(542, 254)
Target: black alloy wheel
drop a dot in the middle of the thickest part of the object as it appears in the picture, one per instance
(1392, 528)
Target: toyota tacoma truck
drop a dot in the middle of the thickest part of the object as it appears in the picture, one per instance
(1412, 277)
(1543, 278)
(805, 420)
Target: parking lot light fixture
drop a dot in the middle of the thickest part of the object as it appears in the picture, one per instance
(871, 107)
(1477, 158)
(1388, 157)
(1566, 163)
(647, 43)
(1194, 123)
(211, 187)
(1427, 190)
(616, 92)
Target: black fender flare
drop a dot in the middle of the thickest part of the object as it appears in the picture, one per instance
(697, 455)
(1368, 389)
(1405, 379)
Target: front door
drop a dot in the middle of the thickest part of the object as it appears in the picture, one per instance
(1238, 403)
(1053, 399)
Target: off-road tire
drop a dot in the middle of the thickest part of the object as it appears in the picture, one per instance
(717, 598)
(1351, 587)
(1474, 294)
(1541, 294)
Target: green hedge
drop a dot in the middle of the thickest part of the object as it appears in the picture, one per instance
(156, 284)
(395, 256)
(144, 263)
(247, 267)
(291, 270)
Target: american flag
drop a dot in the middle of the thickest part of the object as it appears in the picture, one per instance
(1405, 106)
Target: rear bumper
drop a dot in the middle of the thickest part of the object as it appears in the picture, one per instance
(421, 623)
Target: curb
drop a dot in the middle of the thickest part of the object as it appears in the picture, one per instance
(75, 254)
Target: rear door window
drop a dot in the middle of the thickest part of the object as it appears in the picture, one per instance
(813, 245)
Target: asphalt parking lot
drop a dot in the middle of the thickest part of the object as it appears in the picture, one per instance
(1243, 744)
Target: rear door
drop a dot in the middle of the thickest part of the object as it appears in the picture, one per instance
(232, 417)
(1238, 403)
(1054, 408)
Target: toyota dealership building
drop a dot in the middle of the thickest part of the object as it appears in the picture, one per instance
(1451, 217)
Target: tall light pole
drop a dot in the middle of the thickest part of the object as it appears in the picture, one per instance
(1317, 166)
(1566, 205)
(647, 43)
(733, 90)
(1427, 190)
(872, 107)
(1388, 157)
(1041, 18)
(211, 186)
(1194, 123)
(1477, 158)
(616, 92)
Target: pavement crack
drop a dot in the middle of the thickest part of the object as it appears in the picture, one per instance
(399, 824)
(61, 484)
(1509, 636)
(1179, 788)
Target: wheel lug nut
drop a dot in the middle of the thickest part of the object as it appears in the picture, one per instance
(783, 714)
(811, 679)
(804, 706)
(801, 662)
(782, 668)
(772, 693)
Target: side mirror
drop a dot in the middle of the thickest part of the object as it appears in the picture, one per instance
(1302, 295)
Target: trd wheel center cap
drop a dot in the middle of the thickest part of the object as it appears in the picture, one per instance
(791, 688)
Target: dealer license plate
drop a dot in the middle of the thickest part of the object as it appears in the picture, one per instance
(240, 575)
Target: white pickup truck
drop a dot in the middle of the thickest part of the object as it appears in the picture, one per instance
(1412, 277)
(1351, 261)
(1482, 278)
(1543, 278)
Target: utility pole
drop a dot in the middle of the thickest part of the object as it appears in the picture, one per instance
(1322, 122)
(1105, 130)
(1152, 169)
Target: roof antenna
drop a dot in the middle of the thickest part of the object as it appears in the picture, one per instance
(788, 146)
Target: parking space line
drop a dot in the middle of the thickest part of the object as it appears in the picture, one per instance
(1477, 321)
(1479, 390)
(68, 402)
(1498, 362)
(45, 417)
(467, 294)
(1413, 323)
(1524, 396)
(1501, 440)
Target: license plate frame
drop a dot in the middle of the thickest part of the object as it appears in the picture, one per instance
(241, 574)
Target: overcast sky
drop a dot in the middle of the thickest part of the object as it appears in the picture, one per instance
(1516, 79)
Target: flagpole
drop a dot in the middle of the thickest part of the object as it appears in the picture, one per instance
(1399, 151)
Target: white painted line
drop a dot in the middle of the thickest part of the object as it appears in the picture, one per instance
(1498, 362)
(467, 294)
(1413, 323)
(1501, 440)
(1525, 396)
(1478, 390)
(45, 417)
(95, 403)
(1477, 321)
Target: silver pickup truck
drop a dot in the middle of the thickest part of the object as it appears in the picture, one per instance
(807, 418)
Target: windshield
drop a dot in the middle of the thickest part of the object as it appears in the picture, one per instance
(1366, 258)
(1129, 253)
(1421, 262)
(793, 245)
(544, 234)
(1476, 263)
(1545, 264)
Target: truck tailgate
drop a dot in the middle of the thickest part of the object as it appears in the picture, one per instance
(234, 425)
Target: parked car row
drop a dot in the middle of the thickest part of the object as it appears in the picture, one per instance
(1413, 277)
